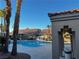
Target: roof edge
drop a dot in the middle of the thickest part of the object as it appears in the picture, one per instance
(64, 12)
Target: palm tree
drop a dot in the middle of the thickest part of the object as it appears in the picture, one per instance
(16, 27)
(48, 26)
(7, 20)
(2, 14)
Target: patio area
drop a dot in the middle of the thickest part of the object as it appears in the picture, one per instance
(42, 52)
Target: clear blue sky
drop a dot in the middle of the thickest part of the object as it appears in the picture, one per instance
(34, 13)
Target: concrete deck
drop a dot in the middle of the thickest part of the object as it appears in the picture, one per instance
(20, 56)
(41, 52)
(4, 56)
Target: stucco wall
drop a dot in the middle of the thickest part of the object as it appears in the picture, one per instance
(56, 26)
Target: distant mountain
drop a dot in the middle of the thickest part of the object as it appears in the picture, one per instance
(36, 31)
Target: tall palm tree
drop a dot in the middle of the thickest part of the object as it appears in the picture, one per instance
(7, 21)
(16, 27)
(48, 26)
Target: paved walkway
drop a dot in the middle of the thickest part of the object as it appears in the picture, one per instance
(4, 56)
(18, 56)
(42, 52)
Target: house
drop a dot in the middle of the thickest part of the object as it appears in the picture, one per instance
(65, 25)
(46, 34)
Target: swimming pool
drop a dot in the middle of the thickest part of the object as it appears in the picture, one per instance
(36, 49)
(32, 43)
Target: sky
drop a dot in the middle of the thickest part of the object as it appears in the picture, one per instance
(34, 13)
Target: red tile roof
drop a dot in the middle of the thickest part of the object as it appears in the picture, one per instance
(65, 12)
(46, 31)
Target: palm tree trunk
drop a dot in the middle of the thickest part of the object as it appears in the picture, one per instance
(7, 19)
(16, 27)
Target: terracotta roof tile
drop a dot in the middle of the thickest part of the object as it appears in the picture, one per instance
(64, 12)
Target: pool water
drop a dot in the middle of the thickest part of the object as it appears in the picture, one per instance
(31, 43)
(36, 49)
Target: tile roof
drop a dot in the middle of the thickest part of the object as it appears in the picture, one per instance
(64, 12)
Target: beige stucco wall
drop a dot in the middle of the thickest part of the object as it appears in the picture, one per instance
(72, 22)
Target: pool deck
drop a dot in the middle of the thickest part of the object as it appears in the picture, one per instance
(41, 52)
(18, 56)
(4, 56)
